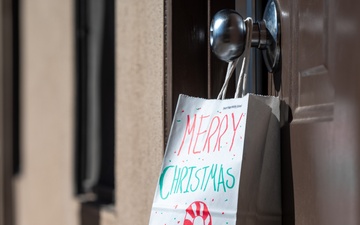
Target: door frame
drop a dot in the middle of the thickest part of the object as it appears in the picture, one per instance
(6, 112)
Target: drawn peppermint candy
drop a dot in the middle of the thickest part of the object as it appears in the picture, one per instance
(197, 213)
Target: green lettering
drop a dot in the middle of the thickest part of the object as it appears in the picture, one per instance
(183, 175)
(202, 184)
(190, 176)
(176, 179)
(233, 179)
(161, 183)
(221, 179)
(198, 181)
(212, 174)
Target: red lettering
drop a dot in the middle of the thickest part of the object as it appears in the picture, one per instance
(188, 130)
(218, 142)
(235, 128)
(209, 136)
(217, 126)
(199, 133)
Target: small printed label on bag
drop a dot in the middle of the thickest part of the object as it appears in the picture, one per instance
(232, 107)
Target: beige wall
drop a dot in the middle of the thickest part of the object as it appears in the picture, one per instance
(44, 188)
(139, 107)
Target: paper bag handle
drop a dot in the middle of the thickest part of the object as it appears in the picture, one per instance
(241, 84)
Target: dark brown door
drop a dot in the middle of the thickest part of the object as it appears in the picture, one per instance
(320, 80)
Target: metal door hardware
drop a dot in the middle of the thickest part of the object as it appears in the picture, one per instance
(228, 35)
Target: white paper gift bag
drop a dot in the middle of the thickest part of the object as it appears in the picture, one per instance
(222, 164)
(222, 161)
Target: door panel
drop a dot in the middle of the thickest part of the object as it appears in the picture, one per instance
(320, 84)
(311, 87)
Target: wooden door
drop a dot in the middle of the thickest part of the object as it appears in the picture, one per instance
(320, 82)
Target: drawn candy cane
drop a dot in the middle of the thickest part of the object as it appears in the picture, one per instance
(197, 210)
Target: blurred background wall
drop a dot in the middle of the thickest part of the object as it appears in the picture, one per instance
(42, 190)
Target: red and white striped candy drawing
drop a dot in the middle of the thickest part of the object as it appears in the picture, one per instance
(197, 211)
